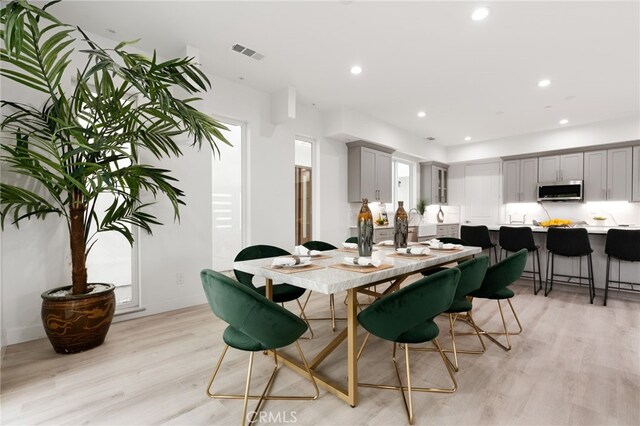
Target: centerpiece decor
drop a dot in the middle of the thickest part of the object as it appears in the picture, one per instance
(365, 230)
(85, 140)
(401, 227)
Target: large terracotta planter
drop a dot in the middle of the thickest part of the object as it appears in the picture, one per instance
(77, 323)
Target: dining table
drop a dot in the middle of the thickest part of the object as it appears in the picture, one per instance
(328, 274)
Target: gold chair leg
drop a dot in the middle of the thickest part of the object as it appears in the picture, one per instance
(304, 317)
(506, 332)
(246, 393)
(332, 310)
(366, 339)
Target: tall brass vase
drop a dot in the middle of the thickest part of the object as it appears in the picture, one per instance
(401, 227)
(365, 230)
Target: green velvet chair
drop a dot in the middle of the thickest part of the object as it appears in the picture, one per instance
(406, 317)
(445, 240)
(495, 287)
(323, 246)
(352, 240)
(255, 324)
(282, 293)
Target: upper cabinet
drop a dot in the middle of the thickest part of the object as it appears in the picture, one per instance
(434, 182)
(608, 175)
(636, 173)
(560, 168)
(370, 173)
(520, 178)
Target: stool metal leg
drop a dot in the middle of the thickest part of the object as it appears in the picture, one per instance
(592, 284)
(606, 285)
(548, 285)
(536, 290)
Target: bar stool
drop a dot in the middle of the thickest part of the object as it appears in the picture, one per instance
(624, 245)
(569, 243)
(513, 239)
(478, 236)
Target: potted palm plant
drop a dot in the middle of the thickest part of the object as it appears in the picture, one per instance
(84, 142)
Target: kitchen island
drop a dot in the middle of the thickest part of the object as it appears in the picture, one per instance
(629, 272)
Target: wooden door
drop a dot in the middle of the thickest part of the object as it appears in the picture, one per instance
(482, 193)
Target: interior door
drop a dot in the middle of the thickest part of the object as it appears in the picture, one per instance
(482, 193)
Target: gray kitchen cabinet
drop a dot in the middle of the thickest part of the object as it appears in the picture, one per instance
(448, 230)
(382, 234)
(636, 173)
(520, 178)
(560, 168)
(370, 172)
(619, 174)
(434, 182)
(608, 175)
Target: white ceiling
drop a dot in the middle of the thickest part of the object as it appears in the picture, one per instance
(475, 79)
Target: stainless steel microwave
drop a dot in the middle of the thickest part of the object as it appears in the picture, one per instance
(560, 191)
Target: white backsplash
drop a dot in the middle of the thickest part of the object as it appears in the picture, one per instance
(616, 212)
(451, 213)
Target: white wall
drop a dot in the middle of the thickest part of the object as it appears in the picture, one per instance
(35, 257)
(610, 131)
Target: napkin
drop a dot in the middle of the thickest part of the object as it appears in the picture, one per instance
(386, 243)
(450, 246)
(290, 261)
(362, 261)
(414, 250)
(303, 251)
(350, 245)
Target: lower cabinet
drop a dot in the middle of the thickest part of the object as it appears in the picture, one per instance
(448, 230)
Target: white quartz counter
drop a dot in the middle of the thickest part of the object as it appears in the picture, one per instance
(590, 229)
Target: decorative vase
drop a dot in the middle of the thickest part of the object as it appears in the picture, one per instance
(440, 216)
(401, 227)
(365, 230)
(599, 222)
(77, 323)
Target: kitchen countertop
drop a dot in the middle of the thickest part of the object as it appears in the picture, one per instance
(590, 229)
(411, 226)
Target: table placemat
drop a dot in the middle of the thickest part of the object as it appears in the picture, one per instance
(411, 256)
(361, 269)
(318, 257)
(445, 250)
(348, 250)
(290, 270)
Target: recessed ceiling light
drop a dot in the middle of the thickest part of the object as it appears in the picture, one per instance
(467, 138)
(544, 83)
(548, 107)
(356, 69)
(422, 114)
(480, 13)
(563, 121)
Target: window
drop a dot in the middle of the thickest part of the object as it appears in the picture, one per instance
(226, 198)
(403, 187)
(303, 200)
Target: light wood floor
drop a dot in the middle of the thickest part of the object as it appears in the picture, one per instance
(574, 364)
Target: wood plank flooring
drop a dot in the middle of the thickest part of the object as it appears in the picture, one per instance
(575, 363)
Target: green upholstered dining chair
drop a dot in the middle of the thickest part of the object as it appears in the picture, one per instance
(406, 317)
(445, 240)
(255, 324)
(282, 293)
(495, 287)
(352, 240)
(323, 246)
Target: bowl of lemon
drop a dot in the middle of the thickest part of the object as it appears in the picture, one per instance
(556, 223)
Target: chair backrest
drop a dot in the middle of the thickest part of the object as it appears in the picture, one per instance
(472, 274)
(623, 244)
(319, 245)
(514, 238)
(255, 252)
(451, 240)
(503, 273)
(353, 240)
(249, 312)
(411, 306)
(568, 241)
(476, 235)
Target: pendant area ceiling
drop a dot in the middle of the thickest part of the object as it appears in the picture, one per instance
(473, 79)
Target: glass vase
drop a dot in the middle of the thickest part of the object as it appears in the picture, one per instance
(401, 227)
(365, 230)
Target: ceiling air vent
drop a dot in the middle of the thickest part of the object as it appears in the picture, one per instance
(247, 52)
(430, 138)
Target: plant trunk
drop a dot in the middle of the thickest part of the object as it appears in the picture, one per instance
(78, 251)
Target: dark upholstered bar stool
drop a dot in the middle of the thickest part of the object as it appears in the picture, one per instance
(478, 236)
(513, 239)
(569, 243)
(624, 245)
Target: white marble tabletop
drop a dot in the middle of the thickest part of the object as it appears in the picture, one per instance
(331, 280)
